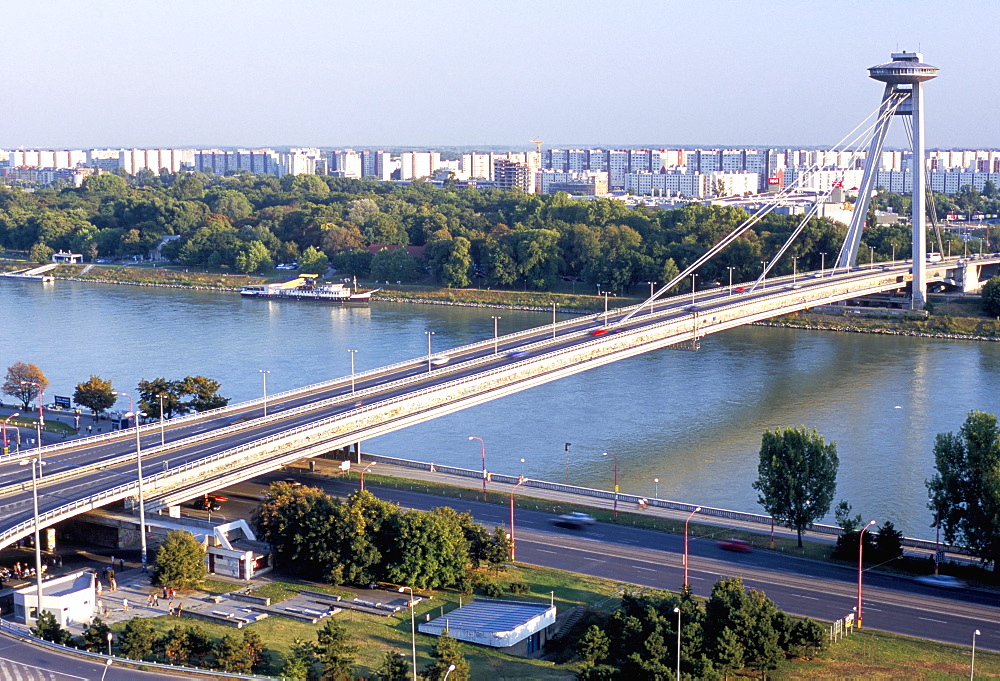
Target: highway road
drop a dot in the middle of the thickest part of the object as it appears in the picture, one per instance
(820, 590)
(71, 471)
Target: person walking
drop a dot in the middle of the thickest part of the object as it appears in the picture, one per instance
(100, 606)
(121, 565)
(170, 608)
(180, 607)
(125, 604)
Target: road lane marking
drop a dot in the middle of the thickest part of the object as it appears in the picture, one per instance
(928, 619)
(547, 551)
(644, 568)
(810, 598)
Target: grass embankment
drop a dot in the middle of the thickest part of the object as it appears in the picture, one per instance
(51, 425)
(953, 319)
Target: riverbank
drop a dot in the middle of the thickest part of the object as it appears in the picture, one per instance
(950, 321)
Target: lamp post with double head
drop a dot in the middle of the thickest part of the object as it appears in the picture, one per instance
(38, 531)
(365, 470)
(6, 449)
(686, 521)
(41, 416)
(616, 484)
(678, 611)
(138, 463)
(352, 369)
(163, 435)
(264, 373)
(861, 550)
(429, 335)
(651, 301)
(520, 481)
(495, 319)
(413, 630)
(482, 451)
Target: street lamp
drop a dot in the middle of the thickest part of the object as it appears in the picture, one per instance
(763, 275)
(352, 370)
(861, 548)
(972, 668)
(606, 294)
(163, 437)
(651, 301)
(656, 488)
(429, 334)
(495, 334)
(522, 467)
(554, 321)
(138, 459)
(686, 545)
(38, 531)
(567, 461)
(616, 483)
(822, 264)
(871, 260)
(264, 374)
(110, 637)
(520, 481)
(413, 630)
(794, 268)
(451, 668)
(678, 611)
(6, 449)
(482, 444)
(730, 279)
(366, 469)
(692, 287)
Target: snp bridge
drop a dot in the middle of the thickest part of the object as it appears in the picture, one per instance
(197, 454)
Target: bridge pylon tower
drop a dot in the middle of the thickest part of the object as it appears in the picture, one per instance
(903, 96)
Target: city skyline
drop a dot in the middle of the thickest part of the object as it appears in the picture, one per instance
(251, 74)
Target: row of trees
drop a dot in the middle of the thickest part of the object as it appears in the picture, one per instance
(735, 629)
(185, 644)
(364, 539)
(497, 238)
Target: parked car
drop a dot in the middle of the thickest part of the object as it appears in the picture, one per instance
(940, 581)
(292, 481)
(575, 520)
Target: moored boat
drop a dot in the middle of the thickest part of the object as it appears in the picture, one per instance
(305, 287)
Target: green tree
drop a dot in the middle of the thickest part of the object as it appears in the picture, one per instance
(230, 655)
(175, 645)
(171, 391)
(497, 550)
(313, 261)
(750, 617)
(137, 639)
(965, 489)
(334, 650)
(394, 667)
(991, 297)
(298, 663)
(254, 649)
(40, 253)
(95, 637)
(797, 477)
(253, 257)
(24, 381)
(446, 653)
(180, 561)
(47, 628)
(95, 394)
(204, 393)
(431, 549)
(594, 645)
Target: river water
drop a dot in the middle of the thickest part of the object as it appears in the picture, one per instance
(693, 420)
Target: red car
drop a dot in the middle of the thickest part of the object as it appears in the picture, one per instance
(599, 332)
(737, 545)
(740, 289)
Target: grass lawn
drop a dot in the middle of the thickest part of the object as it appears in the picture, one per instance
(877, 655)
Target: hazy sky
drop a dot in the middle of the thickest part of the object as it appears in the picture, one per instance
(387, 72)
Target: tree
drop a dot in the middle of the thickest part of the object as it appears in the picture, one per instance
(95, 394)
(394, 667)
(965, 490)
(253, 257)
(313, 261)
(746, 618)
(231, 656)
(175, 645)
(797, 477)
(40, 253)
(446, 653)
(137, 639)
(150, 393)
(593, 646)
(19, 384)
(95, 637)
(334, 650)
(497, 550)
(47, 628)
(254, 649)
(299, 662)
(991, 297)
(180, 561)
(204, 393)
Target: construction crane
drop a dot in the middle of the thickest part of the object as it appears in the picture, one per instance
(538, 145)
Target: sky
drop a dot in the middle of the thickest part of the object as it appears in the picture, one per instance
(330, 73)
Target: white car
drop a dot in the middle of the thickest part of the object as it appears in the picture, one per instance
(940, 581)
(440, 360)
(575, 520)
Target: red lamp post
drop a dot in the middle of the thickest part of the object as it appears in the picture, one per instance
(363, 474)
(686, 545)
(861, 549)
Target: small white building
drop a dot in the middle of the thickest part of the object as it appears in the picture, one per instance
(71, 598)
(65, 258)
(517, 627)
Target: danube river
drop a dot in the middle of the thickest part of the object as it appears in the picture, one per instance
(691, 419)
